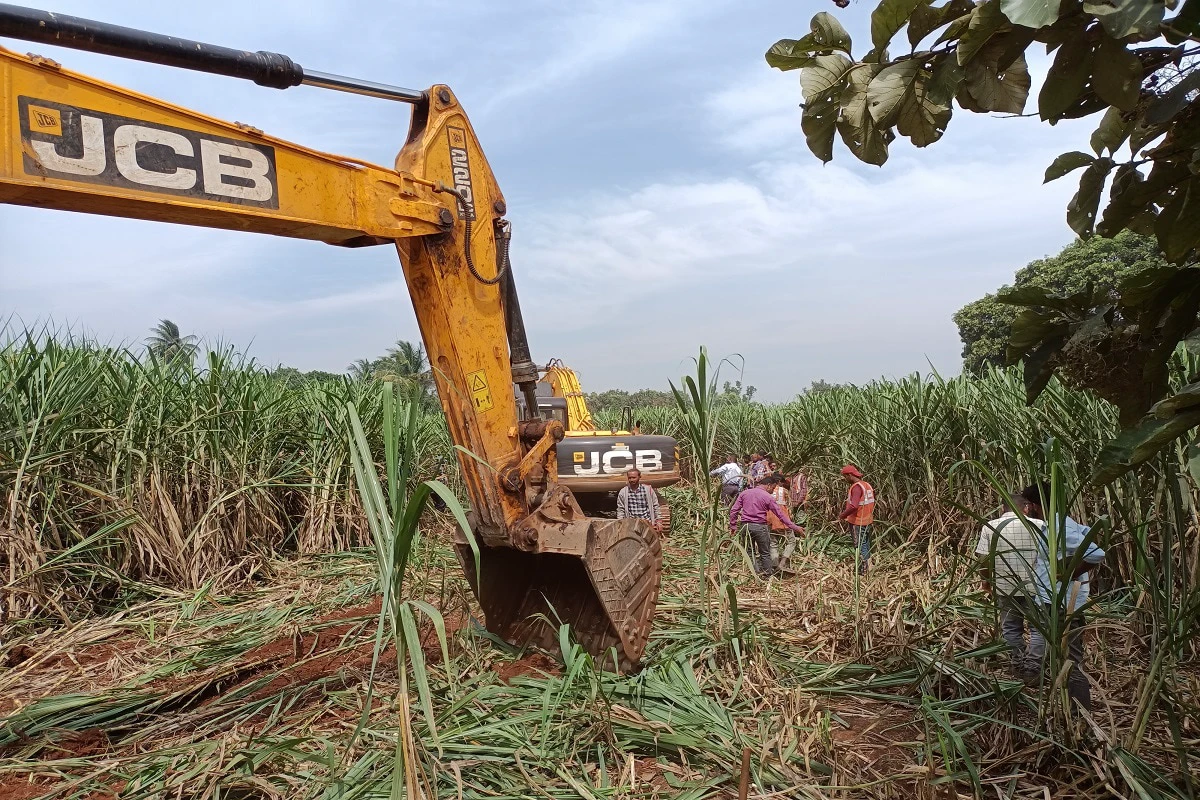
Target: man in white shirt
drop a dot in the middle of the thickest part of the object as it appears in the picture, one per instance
(1008, 549)
(731, 476)
(1075, 563)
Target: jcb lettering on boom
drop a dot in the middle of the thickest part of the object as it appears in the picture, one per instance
(461, 169)
(86, 146)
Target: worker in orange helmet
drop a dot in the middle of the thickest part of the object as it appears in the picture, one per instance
(859, 513)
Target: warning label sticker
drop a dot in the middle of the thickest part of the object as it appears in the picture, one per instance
(481, 395)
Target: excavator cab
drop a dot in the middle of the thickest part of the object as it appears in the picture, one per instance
(72, 142)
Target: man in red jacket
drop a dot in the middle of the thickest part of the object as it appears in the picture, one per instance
(859, 513)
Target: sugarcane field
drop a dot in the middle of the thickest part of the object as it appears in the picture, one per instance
(909, 508)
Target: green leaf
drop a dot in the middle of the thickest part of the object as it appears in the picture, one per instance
(790, 54)
(1186, 22)
(1004, 91)
(1139, 444)
(1081, 211)
(1067, 78)
(888, 17)
(1067, 162)
(827, 35)
(1164, 108)
(922, 120)
(890, 88)
(947, 76)
(898, 96)
(827, 30)
(1122, 18)
(1117, 74)
(1178, 224)
(956, 28)
(926, 18)
(819, 122)
(823, 75)
(986, 20)
(858, 129)
(1111, 133)
(1031, 13)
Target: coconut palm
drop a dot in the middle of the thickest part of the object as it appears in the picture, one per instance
(362, 369)
(168, 344)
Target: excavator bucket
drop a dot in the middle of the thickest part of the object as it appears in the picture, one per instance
(599, 575)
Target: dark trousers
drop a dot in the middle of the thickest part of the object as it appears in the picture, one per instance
(729, 492)
(1015, 612)
(761, 536)
(862, 539)
(1015, 616)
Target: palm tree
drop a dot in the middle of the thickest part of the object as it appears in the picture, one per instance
(168, 344)
(406, 362)
(361, 370)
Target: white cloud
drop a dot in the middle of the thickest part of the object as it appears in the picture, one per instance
(589, 40)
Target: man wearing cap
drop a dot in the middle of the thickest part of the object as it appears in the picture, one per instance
(751, 507)
(859, 513)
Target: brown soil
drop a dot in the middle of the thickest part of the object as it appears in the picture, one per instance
(875, 729)
(532, 664)
(16, 787)
(80, 745)
(19, 655)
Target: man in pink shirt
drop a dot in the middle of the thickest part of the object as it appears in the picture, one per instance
(751, 507)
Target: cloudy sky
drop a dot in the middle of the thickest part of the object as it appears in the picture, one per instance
(660, 190)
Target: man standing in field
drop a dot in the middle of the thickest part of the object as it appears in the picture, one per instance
(1008, 554)
(751, 508)
(859, 513)
(759, 467)
(1076, 560)
(798, 491)
(731, 476)
(638, 500)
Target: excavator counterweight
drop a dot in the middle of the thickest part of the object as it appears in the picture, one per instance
(71, 142)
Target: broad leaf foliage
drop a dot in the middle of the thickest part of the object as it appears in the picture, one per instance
(1134, 65)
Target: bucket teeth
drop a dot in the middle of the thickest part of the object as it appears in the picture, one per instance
(600, 576)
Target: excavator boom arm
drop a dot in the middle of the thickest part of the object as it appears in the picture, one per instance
(76, 143)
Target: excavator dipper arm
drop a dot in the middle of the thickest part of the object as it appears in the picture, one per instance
(76, 143)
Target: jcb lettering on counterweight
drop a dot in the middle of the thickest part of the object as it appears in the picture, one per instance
(613, 462)
(85, 146)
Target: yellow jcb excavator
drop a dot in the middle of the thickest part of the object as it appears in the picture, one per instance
(76, 143)
(592, 462)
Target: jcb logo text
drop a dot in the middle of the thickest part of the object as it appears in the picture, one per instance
(86, 146)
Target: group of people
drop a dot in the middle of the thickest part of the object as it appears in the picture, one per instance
(765, 500)
(1017, 561)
